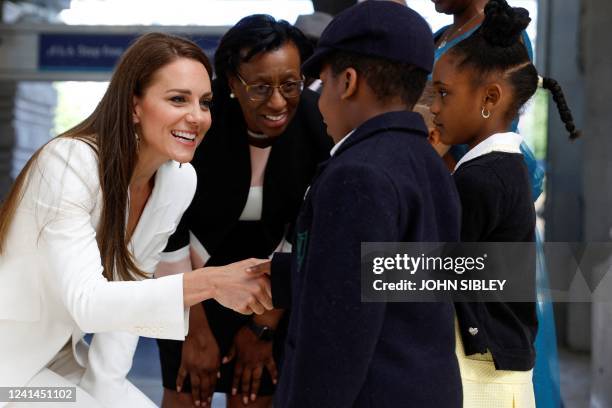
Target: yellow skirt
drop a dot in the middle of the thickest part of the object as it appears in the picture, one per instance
(486, 387)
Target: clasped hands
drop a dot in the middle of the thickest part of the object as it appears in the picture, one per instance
(241, 286)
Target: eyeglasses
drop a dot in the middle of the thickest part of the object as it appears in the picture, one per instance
(262, 92)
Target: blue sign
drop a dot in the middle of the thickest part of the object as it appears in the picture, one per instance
(96, 52)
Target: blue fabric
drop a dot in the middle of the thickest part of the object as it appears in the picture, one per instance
(535, 169)
(450, 44)
(546, 381)
(439, 51)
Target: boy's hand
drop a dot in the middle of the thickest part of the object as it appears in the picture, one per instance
(259, 269)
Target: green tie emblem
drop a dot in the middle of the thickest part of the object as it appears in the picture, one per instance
(302, 241)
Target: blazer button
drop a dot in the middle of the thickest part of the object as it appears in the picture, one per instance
(473, 331)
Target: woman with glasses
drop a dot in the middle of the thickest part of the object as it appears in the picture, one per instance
(253, 169)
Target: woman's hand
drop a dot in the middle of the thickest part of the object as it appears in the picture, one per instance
(200, 359)
(252, 356)
(232, 285)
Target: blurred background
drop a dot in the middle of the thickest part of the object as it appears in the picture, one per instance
(56, 57)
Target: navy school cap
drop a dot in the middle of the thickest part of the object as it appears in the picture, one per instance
(381, 29)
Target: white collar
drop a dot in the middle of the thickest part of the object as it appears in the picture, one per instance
(256, 135)
(337, 145)
(508, 142)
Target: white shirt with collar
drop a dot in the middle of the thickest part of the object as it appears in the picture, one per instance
(332, 152)
(508, 142)
(337, 145)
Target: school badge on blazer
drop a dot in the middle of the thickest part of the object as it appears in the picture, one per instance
(301, 243)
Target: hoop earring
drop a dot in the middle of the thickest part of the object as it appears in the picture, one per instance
(485, 115)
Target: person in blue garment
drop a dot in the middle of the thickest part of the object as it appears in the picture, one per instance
(467, 18)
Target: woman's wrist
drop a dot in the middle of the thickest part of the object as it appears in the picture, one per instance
(197, 287)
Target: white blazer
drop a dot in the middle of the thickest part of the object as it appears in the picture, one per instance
(51, 285)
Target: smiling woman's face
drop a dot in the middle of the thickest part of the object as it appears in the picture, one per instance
(173, 114)
(277, 67)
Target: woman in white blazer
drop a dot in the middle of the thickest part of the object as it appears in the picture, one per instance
(86, 221)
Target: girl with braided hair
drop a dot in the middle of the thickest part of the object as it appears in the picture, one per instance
(480, 86)
(467, 18)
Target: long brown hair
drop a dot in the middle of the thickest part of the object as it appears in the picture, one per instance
(110, 131)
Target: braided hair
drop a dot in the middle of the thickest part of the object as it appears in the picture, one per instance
(496, 47)
(564, 110)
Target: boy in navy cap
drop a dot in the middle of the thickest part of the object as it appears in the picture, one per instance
(383, 182)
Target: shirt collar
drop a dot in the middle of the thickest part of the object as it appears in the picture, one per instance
(508, 142)
(337, 145)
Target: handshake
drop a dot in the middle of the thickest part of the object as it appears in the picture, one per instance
(242, 286)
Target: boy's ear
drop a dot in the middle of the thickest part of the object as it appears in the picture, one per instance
(349, 83)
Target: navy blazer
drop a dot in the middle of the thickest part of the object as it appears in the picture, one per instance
(385, 183)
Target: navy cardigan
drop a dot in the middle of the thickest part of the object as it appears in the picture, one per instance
(498, 207)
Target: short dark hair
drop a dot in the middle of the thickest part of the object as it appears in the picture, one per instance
(253, 35)
(388, 79)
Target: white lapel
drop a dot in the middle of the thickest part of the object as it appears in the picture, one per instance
(156, 222)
